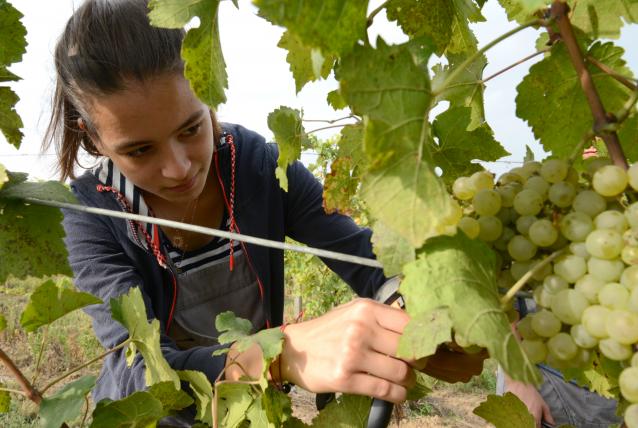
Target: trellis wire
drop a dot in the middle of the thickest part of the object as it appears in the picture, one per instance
(212, 232)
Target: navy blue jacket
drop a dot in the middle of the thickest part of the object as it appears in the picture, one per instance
(107, 263)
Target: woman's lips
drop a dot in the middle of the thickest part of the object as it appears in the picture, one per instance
(186, 186)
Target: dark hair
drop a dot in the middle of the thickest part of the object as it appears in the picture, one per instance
(105, 43)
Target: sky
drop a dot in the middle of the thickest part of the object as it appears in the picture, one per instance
(260, 80)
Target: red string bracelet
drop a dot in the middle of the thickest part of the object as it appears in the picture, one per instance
(278, 380)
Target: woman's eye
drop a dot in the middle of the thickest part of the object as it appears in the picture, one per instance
(193, 130)
(138, 152)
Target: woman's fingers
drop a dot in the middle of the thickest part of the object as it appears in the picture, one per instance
(366, 384)
(388, 368)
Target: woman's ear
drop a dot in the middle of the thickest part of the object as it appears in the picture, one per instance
(90, 144)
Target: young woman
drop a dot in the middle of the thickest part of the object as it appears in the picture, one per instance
(121, 96)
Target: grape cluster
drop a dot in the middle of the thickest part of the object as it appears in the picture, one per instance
(587, 297)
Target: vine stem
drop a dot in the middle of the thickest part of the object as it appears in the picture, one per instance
(523, 280)
(578, 150)
(13, 391)
(559, 12)
(45, 336)
(351, 116)
(458, 70)
(88, 363)
(327, 127)
(27, 387)
(610, 71)
(517, 63)
(376, 12)
(211, 232)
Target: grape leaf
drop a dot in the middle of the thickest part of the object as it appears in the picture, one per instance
(522, 11)
(285, 123)
(391, 249)
(463, 40)
(5, 400)
(30, 239)
(138, 410)
(603, 18)
(457, 146)
(300, 58)
(233, 328)
(12, 34)
(66, 404)
(393, 92)
(460, 274)
(628, 135)
(422, 387)
(348, 411)
(277, 406)
(170, 397)
(50, 301)
(506, 411)
(10, 121)
(203, 391)
(433, 18)
(4, 177)
(3, 323)
(233, 401)
(334, 26)
(335, 100)
(342, 183)
(7, 76)
(130, 311)
(201, 50)
(430, 328)
(47, 190)
(552, 89)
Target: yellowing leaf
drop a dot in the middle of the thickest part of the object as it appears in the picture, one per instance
(285, 123)
(506, 411)
(426, 330)
(391, 249)
(342, 183)
(300, 58)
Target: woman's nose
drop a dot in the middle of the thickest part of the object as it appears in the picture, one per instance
(176, 163)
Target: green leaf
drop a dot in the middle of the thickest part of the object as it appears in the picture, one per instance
(457, 146)
(300, 58)
(391, 249)
(233, 328)
(3, 323)
(50, 302)
(552, 89)
(286, 125)
(30, 239)
(170, 397)
(628, 135)
(5, 400)
(12, 33)
(46, 190)
(422, 387)
(430, 328)
(389, 88)
(203, 391)
(506, 411)
(277, 406)
(130, 311)
(7, 76)
(523, 11)
(434, 18)
(529, 154)
(460, 274)
(334, 26)
(233, 401)
(463, 40)
(348, 411)
(342, 183)
(10, 121)
(66, 404)
(603, 18)
(201, 50)
(336, 101)
(138, 410)
(4, 177)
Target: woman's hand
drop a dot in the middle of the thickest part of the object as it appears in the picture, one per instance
(529, 395)
(349, 349)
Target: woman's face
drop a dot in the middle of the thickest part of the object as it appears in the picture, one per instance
(158, 134)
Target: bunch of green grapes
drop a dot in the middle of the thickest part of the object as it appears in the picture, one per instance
(587, 297)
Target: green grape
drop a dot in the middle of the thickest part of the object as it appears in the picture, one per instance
(614, 350)
(604, 243)
(594, 319)
(595, 164)
(531, 168)
(582, 338)
(490, 228)
(562, 346)
(622, 326)
(554, 170)
(613, 296)
(486, 202)
(589, 286)
(634, 360)
(543, 233)
(631, 237)
(507, 215)
(462, 189)
(524, 328)
(545, 323)
(554, 283)
(507, 195)
(542, 272)
(629, 277)
(579, 249)
(562, 194)
(589, 202)
(631, 214)
(572, 176)
(609, 180)
(469, 226)
(606, 270)
(542, 297)
(523, 223)
(611, 219)
(505, 279)
(528, 202)
(629, 255)
(511, 177)
(535, 350)
(632, 304)
(537, 184)
(631, 416)
(576, 226)
(632, 176)
(502, 241)
(568, 306)
(628, 382)
(570, 267)
(519, 269)
(521, 249)
(481, 180)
